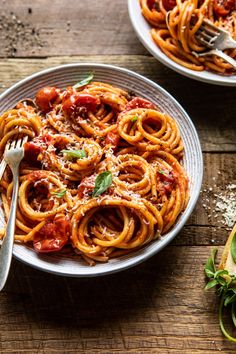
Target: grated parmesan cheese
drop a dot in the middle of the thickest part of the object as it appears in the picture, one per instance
(224, 205)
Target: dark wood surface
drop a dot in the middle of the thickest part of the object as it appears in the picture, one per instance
(156, 307)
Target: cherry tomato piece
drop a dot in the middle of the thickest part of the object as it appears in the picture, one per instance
(169, 4)
(139, 102)
(80, 102)
(168, 180)
(46, 97)
(151, 4)
(69, 92)
(112, 138)
(35, 147)
(31, 151)
(53, 236)
(86, 186)
(166, 176)
(223, 7)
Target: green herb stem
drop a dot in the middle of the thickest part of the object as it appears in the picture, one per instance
(222, 327)
(233, 314)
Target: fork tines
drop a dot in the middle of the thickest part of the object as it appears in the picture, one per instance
(205, 37)
(208, 24)
(205, 27)
(18, 142)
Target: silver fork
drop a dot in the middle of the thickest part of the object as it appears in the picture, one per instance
(3, 163)
(217, 40)
(12, 156)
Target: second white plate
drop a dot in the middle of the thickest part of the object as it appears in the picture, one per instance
(142, 29)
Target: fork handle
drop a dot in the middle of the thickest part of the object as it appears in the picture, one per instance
(224, 56)
(230, 44)
(7, 244)
(3, 165)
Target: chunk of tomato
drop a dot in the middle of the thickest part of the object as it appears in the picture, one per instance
(32, 150)
(53, 235)
(168, 179)
(151, 4)
(169, 4)
(86, 186)
(223, 7)
(77, 103)
(35, 147)
(139, 102)
(112, 138)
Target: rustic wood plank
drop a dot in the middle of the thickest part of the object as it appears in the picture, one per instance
(206, 225)
(216, 124)
(160, 306)
(47, 314)
(43, 28)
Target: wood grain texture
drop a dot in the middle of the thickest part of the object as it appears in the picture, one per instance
(67, 28)
(159, 306)
(216, 123)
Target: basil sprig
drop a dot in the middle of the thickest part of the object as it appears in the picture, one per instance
(85, 81)
(79, 154)
(226, 288)
(59, 194)
(102, 182)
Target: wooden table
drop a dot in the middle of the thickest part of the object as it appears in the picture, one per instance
(156, 307)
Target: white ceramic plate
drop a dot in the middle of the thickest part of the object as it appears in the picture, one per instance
(142, 29)
(66, 75)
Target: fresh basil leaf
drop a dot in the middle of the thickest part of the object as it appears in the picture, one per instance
(161, 172)
(209, 273)
(233, 247)
(102, 183)
(220, 272)
(211, 284)
(59, 194)
(222, 282)
(134, 119)
(79, 154)
(85, 81)
(210, 264)
(222, 327)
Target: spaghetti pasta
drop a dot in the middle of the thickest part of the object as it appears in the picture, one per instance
(175, 23)
(101, 171)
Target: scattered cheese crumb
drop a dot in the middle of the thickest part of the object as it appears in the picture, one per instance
(224, 204)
